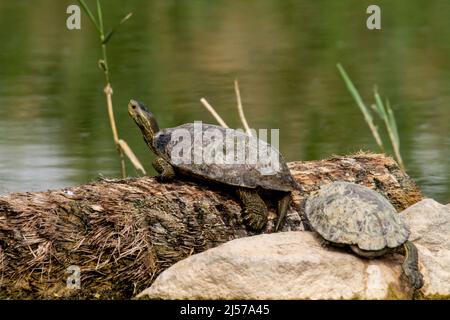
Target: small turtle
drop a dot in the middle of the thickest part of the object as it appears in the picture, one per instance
(344, 213)
(247, 178)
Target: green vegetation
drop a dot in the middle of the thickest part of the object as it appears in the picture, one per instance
(122, 145)
(384, 111)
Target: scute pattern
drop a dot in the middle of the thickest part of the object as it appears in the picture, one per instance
(244, 175)
(347, 213)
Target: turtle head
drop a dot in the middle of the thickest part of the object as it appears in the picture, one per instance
(144, 119)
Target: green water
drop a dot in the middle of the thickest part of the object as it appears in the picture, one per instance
(54, 130)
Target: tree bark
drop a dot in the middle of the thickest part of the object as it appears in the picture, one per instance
(123, 233)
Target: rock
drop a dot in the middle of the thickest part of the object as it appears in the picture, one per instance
(429, 222)
(293, 265)
(288, 265)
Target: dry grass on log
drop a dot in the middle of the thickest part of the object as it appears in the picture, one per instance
(123, 233)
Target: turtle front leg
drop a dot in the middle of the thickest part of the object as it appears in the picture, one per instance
(165, 170)
(411, 265)
(255, 210)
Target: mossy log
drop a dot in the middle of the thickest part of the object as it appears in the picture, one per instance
(123, 233)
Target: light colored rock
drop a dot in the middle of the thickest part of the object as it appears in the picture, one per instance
(288, 265)
(429, 222)
(293, 265)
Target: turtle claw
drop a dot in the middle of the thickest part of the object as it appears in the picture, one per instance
(161, 178)
(254, 209)
(165, 170)
(254, 220)
(324, 243)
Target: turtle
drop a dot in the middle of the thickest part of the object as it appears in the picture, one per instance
(252, 181)
(348, 214)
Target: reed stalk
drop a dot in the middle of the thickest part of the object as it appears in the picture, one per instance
(213, 112)
(219, 119)
(121, 145)
(241, 109)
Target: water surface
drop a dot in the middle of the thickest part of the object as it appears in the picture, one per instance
(54, 130)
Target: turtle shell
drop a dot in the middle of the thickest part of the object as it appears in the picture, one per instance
(347, 213)
(194, 149)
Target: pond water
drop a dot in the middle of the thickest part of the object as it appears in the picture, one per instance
(54, 129)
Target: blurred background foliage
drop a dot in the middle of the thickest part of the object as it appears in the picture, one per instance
(54, 128)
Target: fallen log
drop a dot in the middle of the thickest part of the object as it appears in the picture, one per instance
(123, 233)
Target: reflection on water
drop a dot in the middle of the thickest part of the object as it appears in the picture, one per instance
(53, 122)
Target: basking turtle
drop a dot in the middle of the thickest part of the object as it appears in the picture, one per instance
(348, 214)
(248, 178)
